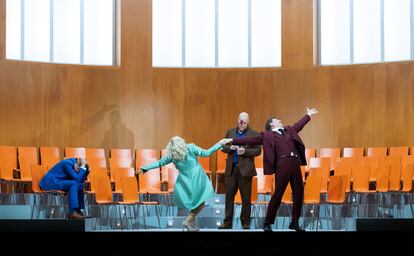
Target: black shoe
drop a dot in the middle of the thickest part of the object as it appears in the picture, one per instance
(267, 228)
(246, 226)
(296, 227)
(225, 225)
(81, 213)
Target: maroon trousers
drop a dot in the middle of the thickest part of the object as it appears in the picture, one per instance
(287, 170)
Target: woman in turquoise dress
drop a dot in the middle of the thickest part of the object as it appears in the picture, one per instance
(192, 187)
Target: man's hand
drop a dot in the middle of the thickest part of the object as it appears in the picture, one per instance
(233, 147)
(241, 151)
(311, 111)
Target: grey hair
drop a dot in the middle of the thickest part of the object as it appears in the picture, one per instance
(177, 148)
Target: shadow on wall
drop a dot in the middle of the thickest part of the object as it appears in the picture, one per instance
(118, 135)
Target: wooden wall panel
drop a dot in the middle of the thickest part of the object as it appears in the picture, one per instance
(137, 106)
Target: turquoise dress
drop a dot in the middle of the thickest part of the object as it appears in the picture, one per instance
(192, 187)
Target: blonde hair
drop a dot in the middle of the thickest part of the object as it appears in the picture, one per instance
(177, 148)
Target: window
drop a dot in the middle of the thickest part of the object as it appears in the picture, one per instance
(61, 31)
(368, 31)
(216, 33)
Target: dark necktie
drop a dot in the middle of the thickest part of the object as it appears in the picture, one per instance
(282, 131)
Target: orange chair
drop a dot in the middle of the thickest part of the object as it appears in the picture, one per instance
(360, 178)
(412, 151)
(74, 152)
(119, 173)
(8, 164)
(146, 153)
(353, 152)
(49, 160)
(312, 195)
(95, 173)
(399, 151)
(373, 162)
(38, 171)
(96, 162)
(387, 160)
(26, 162)
(324, 174)
(120, 153)
(407, 173)
(377, 151)
(221, 166)
(395, 177)
(343, 168)
(264, 182)
(336, 192)
(205, 163)
(103, 198)
(130, 198)
(118, 163)
(172, 177)
(164, 169)
(332, 153)
(94, 153)
(407, 160)
(49, 152)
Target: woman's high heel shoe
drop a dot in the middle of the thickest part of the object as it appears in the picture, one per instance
(190, 226)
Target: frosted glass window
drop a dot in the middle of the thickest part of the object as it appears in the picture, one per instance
(98, 32)
(66, 31)
(200, 33)
(37, 30)
(266, 33)
(13, 29)
(233, 33)
(167, 33)
(367, 31)
(397, 30)
(335, 32)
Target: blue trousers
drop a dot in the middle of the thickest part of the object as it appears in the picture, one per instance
(75, 193)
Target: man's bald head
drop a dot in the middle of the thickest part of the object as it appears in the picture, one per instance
(243, 121)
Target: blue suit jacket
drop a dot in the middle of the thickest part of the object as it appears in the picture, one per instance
(62, 172)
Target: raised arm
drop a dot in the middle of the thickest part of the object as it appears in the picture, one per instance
(226, 148)
(163, 161)
(205, 153)
(298, 126)
(257, 140)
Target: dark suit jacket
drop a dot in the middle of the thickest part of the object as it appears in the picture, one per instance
(246, 161)
(270, 157)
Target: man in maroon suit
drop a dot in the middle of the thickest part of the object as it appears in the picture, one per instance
(283, 153)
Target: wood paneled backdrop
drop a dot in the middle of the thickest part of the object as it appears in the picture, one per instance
(137, 106)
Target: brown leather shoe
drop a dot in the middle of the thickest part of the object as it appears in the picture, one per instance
(75, 215)
(225, 225)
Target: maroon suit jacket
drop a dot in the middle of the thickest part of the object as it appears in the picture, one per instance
(270, 157)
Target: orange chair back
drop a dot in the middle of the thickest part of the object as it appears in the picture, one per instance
(26, 162)
(395, 177)
(377, 151)
(129, 189)
(96, 162)
(337, 189)
(360, 178)
(76, 152)
(313, 190)
(38, 171)
(221, 161)
(408, 171)
(287, 195)
(94, 153)
(103, 190)
(118, 174)
(353, 152)
(399, 151)
(96, 172)
(172, 177)
(383, 178)
(120, 153)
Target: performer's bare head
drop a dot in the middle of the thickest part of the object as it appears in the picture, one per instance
(243, 121)
(273, 123)
(177, 148)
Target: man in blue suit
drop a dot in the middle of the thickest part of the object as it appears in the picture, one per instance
(68, 175)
